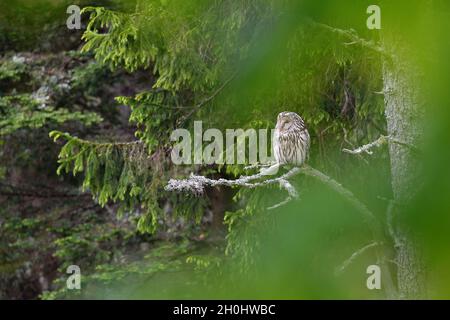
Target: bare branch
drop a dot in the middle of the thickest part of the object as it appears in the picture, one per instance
(258, 165)
(293, 194)
(366, 148)
(382, 140)
(208, 99)
(412, 148)
(355, 254)
(347, 194)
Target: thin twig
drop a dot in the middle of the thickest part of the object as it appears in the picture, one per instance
(354, 38)
(355, 254)
(257, 165)
(292, 194)
(208, 99)
(347, 194)
(367, 147)
(382, 140)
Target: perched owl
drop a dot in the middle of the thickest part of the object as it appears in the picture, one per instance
(291, 139)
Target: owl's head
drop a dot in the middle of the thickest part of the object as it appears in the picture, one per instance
(287, 120)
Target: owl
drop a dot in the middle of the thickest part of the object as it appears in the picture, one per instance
(291, 139)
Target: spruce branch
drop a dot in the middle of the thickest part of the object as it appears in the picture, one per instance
(55, 135)
(36, 192)
(354, 38)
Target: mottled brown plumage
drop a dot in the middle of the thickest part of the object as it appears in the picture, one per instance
(291, 140)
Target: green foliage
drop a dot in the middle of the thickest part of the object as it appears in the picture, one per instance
(91, 244)
(188, 43)
(141, 271)
(12, 70)
(23, 111)
(153, 115)
(112, 171)
(26, 24)
(70, 234)
(122, 173)
(191, 48)
(85, 78)
(246, 224)
(232, 64)
(123, 44)
(96, 245)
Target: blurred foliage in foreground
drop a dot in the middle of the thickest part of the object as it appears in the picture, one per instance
(232, 64)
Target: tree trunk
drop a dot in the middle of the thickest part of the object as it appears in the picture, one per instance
(404, 116)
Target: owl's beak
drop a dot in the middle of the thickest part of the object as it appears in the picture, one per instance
(280, 124)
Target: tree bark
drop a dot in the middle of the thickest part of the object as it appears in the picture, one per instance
(404, 116)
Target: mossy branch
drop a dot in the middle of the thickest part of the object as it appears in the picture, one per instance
(196, 184)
